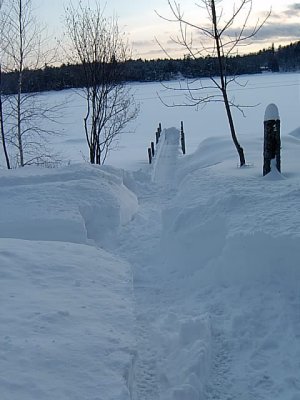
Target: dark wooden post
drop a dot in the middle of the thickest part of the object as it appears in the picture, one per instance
(158, 133)
(152, 149)
(182, 138)
(157, 136)
(272, 142)
(150, 155)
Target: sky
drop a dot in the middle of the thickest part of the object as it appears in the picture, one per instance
(138, 18)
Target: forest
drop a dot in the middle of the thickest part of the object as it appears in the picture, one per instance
(282, 59)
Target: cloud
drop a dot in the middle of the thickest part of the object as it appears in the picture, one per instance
(295, 6)
(280, 26)
(143, 43)
(280, 30)
(293, 10)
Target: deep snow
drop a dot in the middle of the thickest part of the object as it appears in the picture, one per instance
(175, 281)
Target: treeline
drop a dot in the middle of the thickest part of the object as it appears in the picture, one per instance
(285, 58)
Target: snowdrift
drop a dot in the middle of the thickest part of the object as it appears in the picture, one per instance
(66, 321)
(72, 204)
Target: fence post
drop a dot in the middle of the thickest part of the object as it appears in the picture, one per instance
(182, 138)
(150, 155)
(152, 149)
(157, 136)
(272, 143)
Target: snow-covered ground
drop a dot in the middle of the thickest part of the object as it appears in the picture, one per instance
(175, 281)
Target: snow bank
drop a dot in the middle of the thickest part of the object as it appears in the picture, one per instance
(240, 214)
(65, 323)
(66, 320)
(296, 133)
(73, 204)
(229, 250)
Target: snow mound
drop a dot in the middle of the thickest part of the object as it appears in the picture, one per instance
(72, 204)
(274, 174)
(295, 133)
(189, 346)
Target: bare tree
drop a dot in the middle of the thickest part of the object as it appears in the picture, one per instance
(24, 48)
(100, 47)
(220, 38)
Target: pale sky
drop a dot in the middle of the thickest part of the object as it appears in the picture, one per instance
(138, 19)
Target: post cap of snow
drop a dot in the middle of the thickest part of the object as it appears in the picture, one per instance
(271, 113)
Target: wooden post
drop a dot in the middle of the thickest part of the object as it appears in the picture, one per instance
(182, 138)
(157, 136)
(272, 142)
(152, 149)
(159, 129)
(150, 155)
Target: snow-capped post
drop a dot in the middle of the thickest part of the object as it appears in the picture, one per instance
(272, 143)
(182, 138)
(159, 129)
(152, 149)
(150, 155)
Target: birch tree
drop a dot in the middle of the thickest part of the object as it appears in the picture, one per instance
(24, 48)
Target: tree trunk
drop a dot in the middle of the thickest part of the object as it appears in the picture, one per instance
(20, 83)
(3, 135)
(223, 84)
(2, 126)
(238, 147)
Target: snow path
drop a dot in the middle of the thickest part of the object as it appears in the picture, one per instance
(160, 303)
(135, 248)
(165, 163)
(139, 242)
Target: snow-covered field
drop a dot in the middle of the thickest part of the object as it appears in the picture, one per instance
(175, 281)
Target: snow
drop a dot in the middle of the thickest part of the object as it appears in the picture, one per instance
(177, 280)
(256, 91)
(97, 204)
(271, 113)
(58, 337)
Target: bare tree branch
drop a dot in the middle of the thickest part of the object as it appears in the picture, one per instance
(220, 39)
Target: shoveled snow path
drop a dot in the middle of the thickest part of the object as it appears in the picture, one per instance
(138, 244)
